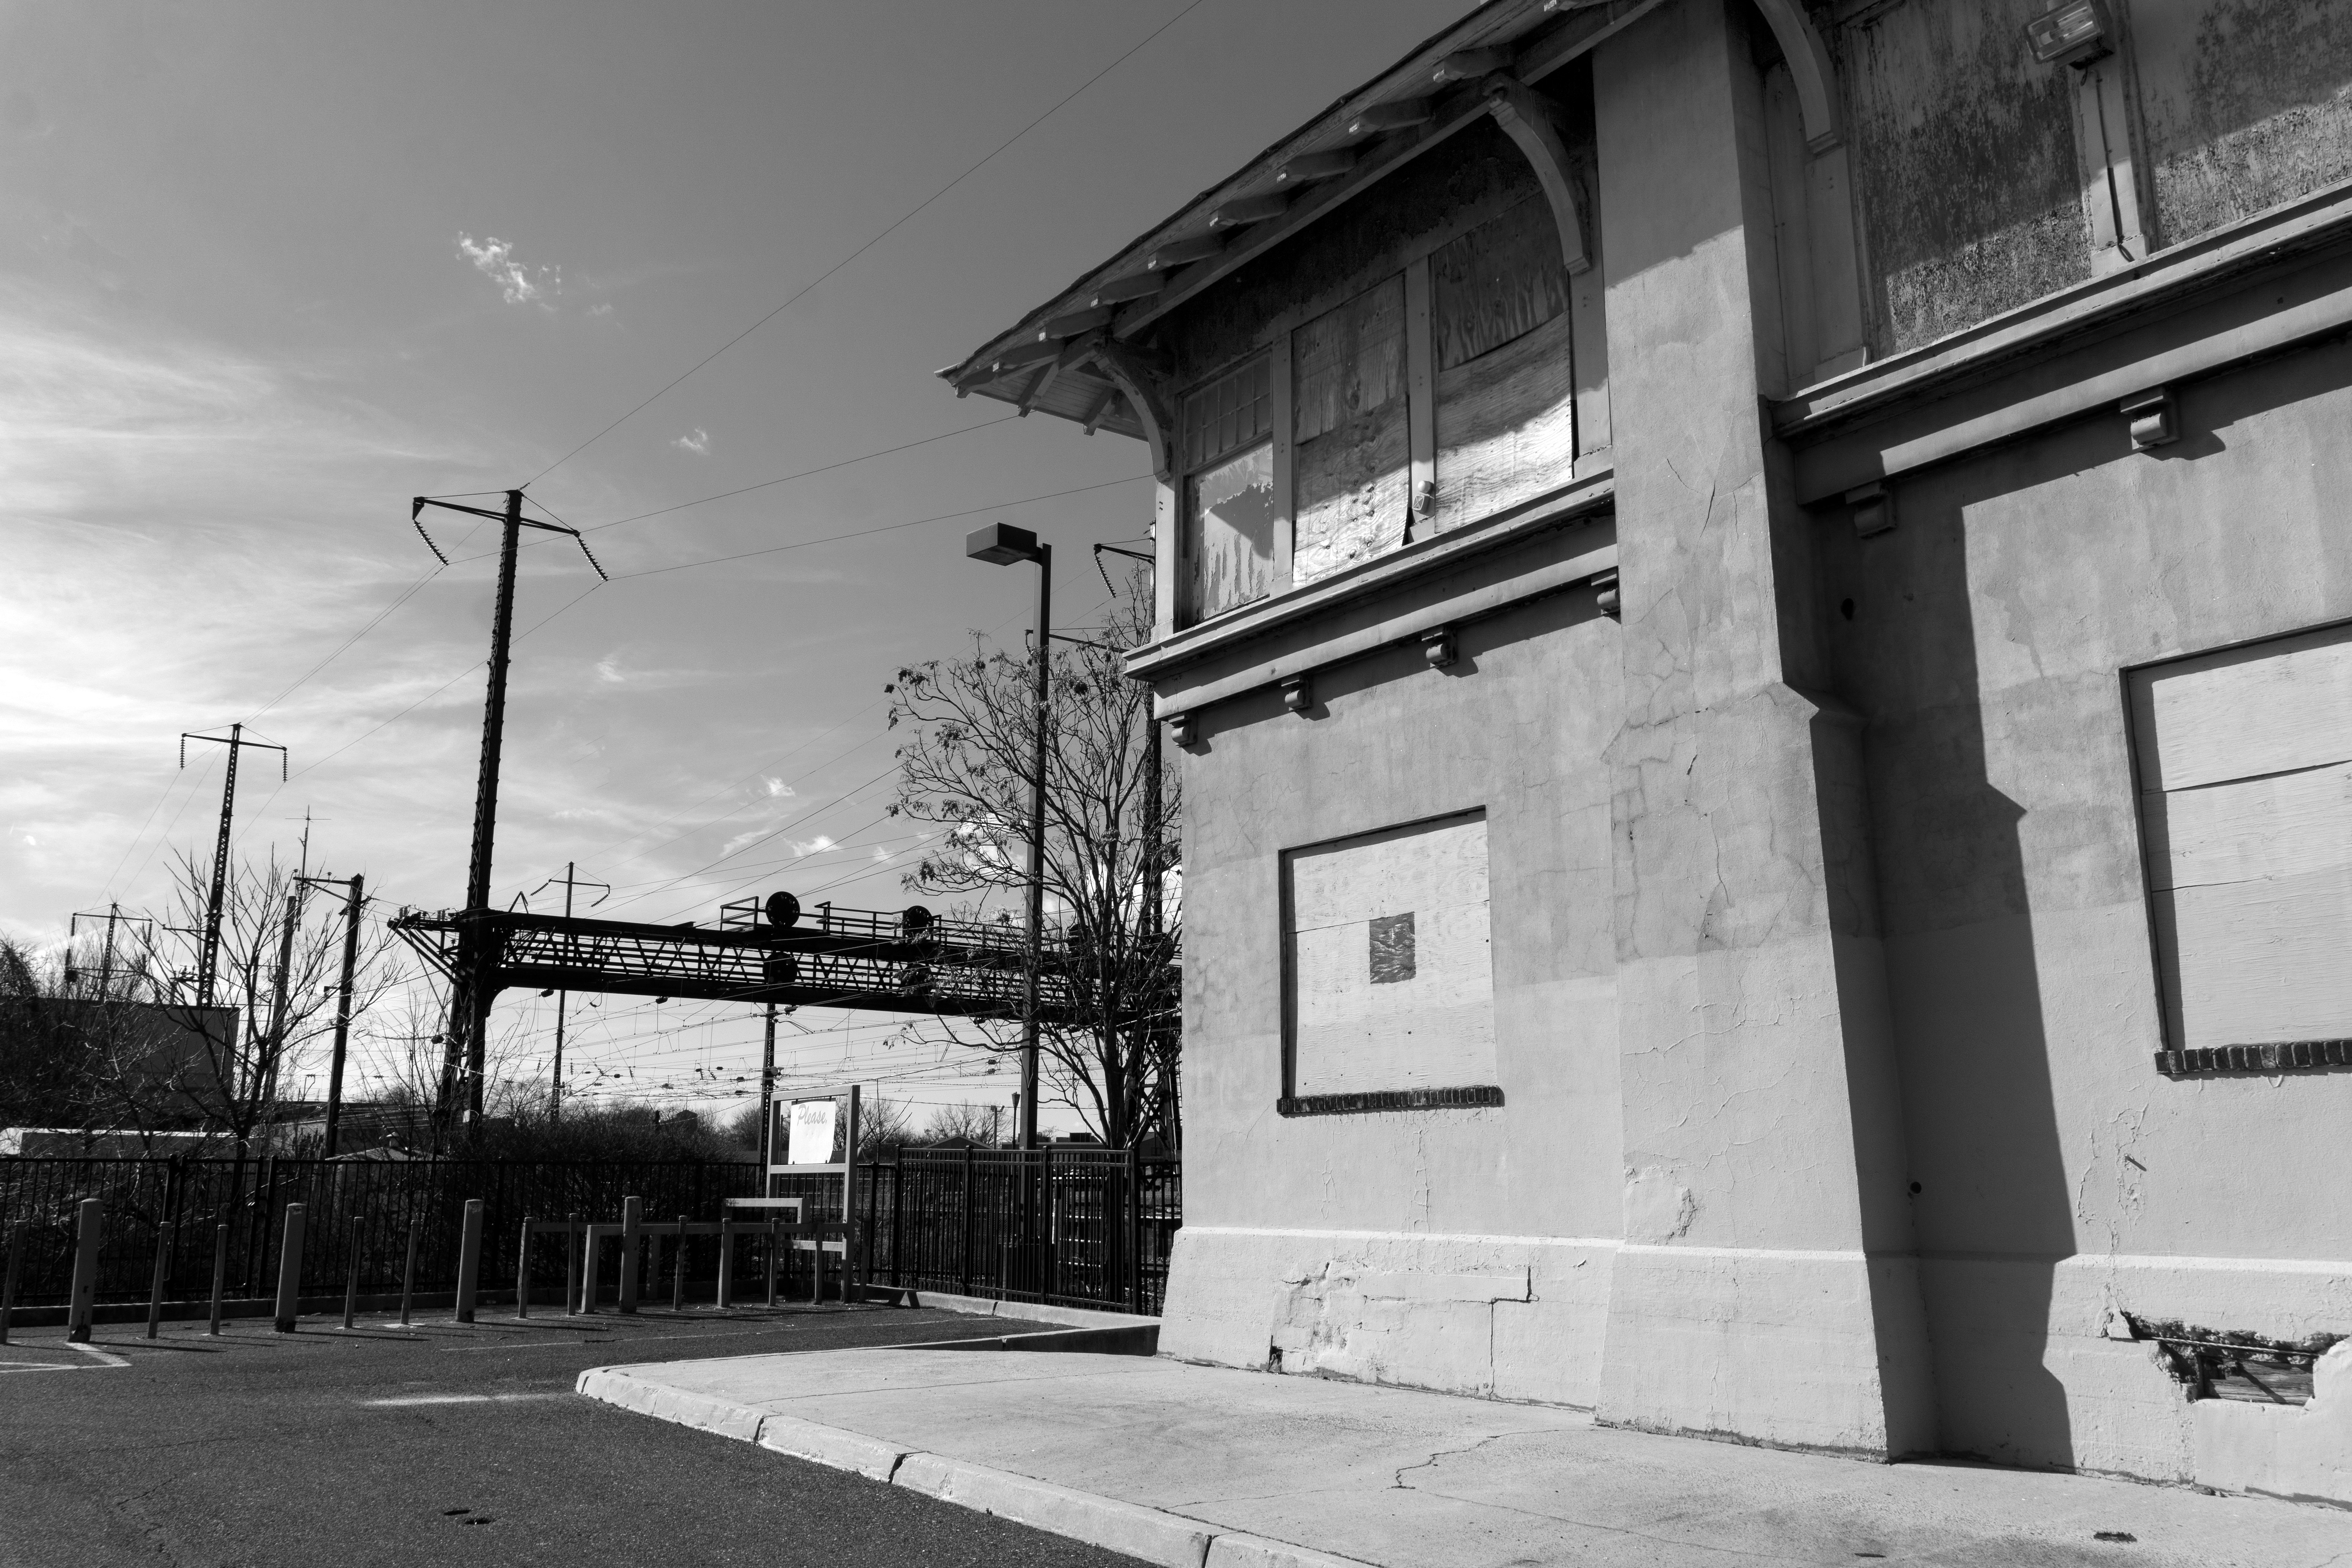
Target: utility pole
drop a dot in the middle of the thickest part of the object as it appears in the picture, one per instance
(281, 1008)
(768, 1100)
(208, 949)
(113, 917)
(354, 897)
(472, 991)
(570, 882)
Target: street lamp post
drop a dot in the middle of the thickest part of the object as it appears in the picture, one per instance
(1002, 545)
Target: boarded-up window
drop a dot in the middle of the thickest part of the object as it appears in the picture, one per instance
(1353, 457)
(1227, 427)
(1391, 979)
(2242, 106)
(2245, 777)
(1506, 383)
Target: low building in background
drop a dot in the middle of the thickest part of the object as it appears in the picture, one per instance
(1755, 598)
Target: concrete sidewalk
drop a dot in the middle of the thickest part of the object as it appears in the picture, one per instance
(1190, 1465)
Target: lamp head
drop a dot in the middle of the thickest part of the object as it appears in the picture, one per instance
(2073, 34)
(1001, 545)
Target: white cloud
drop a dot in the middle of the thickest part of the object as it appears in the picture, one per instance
(806, 847)
(698, 443)
(609, 670)
(779, 790)
(494, 258)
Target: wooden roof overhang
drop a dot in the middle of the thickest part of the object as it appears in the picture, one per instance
(1076, 356)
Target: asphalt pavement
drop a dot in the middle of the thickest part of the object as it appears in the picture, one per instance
(442, 1443)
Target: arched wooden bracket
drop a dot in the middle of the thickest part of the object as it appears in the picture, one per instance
(1144, 388)
(1809, 69)
(1529, 122)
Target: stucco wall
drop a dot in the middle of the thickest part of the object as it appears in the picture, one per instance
(1293, 1224)
(2060, 1176)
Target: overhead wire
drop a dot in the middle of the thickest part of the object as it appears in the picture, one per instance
(802, 292)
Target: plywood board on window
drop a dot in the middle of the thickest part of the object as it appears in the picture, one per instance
(1506, 426)
(1501, 280)
(2246, 800)
(2260, 709)
(1391, 974)
(1353, 455)
(1232, 514)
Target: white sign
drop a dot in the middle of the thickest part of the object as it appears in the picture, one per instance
(811, 1143)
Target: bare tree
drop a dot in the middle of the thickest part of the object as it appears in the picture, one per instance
(279, 965)
(1112, 818)
(974, 1124)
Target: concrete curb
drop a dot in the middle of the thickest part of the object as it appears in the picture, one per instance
(1150, 1534)
(1131, 1338)
(1026, 1312)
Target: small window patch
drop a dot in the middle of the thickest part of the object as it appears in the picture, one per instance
(1391, 949)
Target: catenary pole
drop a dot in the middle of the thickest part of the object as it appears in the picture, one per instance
(354, 899)
(470, 996)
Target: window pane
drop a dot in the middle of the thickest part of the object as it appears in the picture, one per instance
(1231, 411)
(1230, 509)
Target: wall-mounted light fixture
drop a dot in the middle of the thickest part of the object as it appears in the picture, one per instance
(1604, 594)
(1184, 729)
(1437, 646)
(1298, 693)
(2074, 34)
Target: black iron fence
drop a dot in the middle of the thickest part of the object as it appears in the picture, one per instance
(1066, 1226)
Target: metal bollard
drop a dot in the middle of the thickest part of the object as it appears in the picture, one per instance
(90, 1232)
(726, 1263)
(571, 1264)
(522, 1273)
(351, 1280)
(9, 1286)
(155, 1284)
(408, 1273)
(775, 1241)
(220, 1275)
(633, 1211)
(289, 1272)
(470, 1260)
(678, 1269)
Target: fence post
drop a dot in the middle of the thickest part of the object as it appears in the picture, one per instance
(1135, 1229)
(469, 1259)
(408, 1272)
(155, 1283)
(726, 1262)
(897, 1220)
(571, 1264)
(964, 1251)
(775, 1244)
(352, 1279)
(89, 1229)
(678, 1269)
(632, 1215)
(220, 1275)
(290, 1271)
(522, 1273)
(8, 1286)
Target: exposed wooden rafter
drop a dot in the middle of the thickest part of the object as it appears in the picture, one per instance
(1376, 159)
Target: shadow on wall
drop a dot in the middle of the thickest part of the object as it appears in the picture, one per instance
(1989, 1189)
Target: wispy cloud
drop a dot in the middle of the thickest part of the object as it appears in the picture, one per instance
(494, 258)
(777, 789)
(698, 443)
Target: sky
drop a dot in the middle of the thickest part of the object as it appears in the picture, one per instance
(268, 269)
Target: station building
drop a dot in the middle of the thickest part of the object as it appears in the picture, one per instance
(1757, 599)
